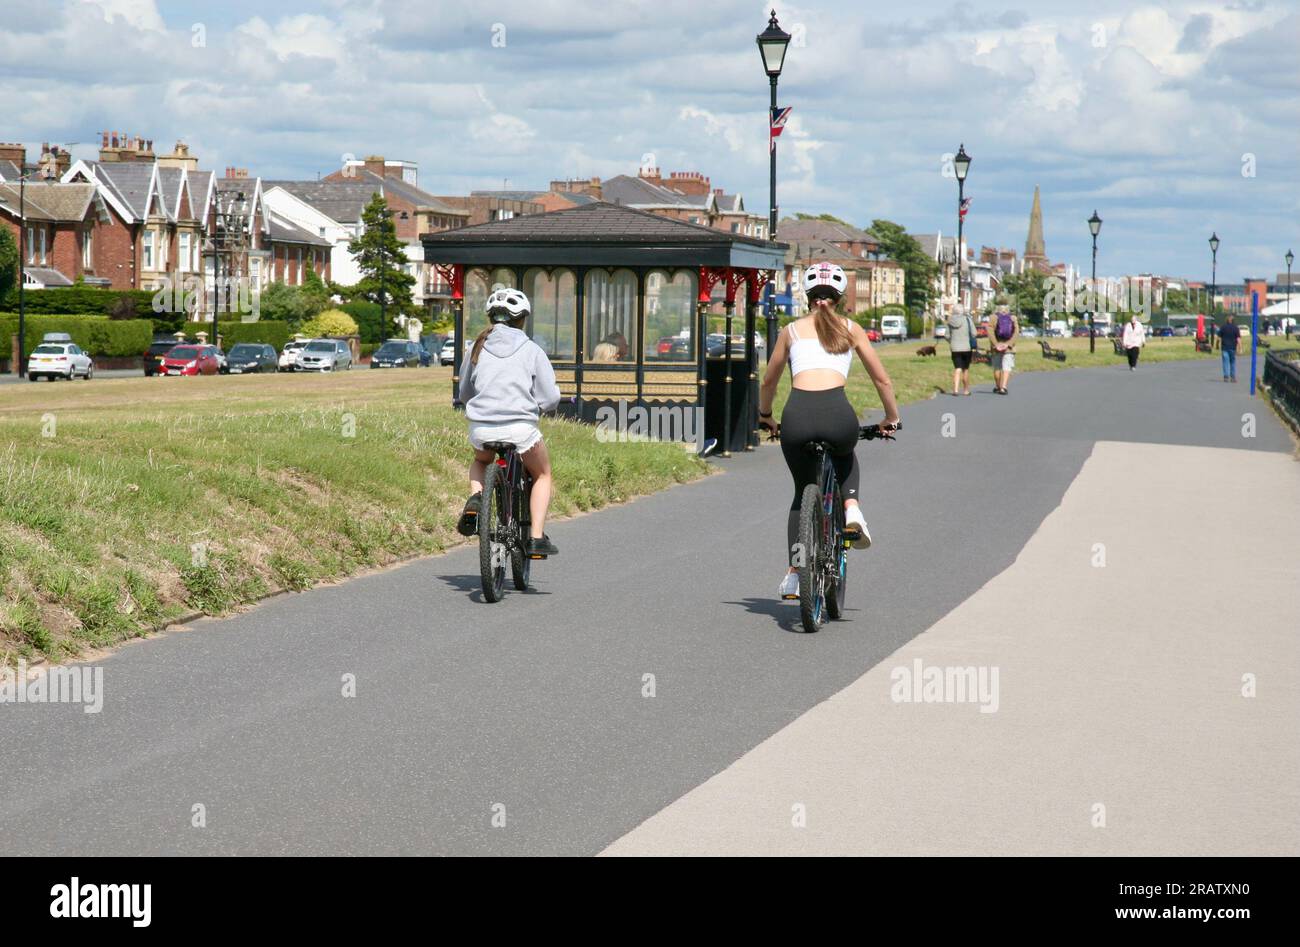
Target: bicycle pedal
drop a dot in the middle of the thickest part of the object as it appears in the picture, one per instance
(535, 555)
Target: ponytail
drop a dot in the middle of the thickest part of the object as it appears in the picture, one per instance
(834, 336)
(516, 323)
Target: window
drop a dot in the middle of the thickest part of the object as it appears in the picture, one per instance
(255, 273)
(554, 325)
(609, 322)
(669, 316)
(44, 233)
(88, 249)
(183, 255)
(148, 250)
(162, 252)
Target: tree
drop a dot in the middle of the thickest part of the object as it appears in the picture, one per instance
(919, 270)
(380, 257)
(315, 295)
(330, 322)
(1024, 293)
(831, 218)
(8, 262)
(283, 302)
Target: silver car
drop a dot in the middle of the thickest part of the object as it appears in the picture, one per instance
(325, 355)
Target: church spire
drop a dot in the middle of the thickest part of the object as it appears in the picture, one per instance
(1035, 249)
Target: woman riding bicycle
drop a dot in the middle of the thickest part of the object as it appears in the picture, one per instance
(506, 381)
(820, 349)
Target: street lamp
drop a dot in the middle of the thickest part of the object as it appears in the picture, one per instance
(1094, 227)
(1214, 276)
(961, 165)
(1290, 258)
(772, 44)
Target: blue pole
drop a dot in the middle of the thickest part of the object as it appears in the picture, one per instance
(1254, 338)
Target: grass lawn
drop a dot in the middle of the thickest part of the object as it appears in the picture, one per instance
(128, 502)
(916, 377)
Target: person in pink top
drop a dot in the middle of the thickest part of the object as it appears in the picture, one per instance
(1135, 336)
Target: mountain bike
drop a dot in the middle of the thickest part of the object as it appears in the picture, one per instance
(503, 522)
(823, 548)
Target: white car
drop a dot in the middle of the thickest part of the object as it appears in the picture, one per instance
(325, 355)
(448, 354)
(893, 327)
(941, 330)
(59, 360)
(288, 361)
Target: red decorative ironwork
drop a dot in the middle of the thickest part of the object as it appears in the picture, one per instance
(710, 276)
(454, 275)
(735, 277)
(757, 280)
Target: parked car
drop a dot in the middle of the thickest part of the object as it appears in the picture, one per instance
(941, 330)
(325, 355)
(717, 342)
(188, 359)
(982, 330)
(59, 360)
(894, 327)
(1080, 331)
(1029, 332)
(223, 363)
(448, 354)
(1162, 332)
(153, 356)
(1181, 331)
(249, 357)
(873, 335)
(399, 353)
(289, 355)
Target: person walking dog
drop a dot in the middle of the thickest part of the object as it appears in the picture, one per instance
(1135, 336)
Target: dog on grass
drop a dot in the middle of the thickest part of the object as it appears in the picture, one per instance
(926, 350)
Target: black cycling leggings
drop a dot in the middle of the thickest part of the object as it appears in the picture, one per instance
(818, 416)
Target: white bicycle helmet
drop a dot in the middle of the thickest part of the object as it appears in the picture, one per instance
(507, 305)
(824, 279)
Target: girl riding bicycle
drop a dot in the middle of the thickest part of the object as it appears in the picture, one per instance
(506, 381)
(819, 348)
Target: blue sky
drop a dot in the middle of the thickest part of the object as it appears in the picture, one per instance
(1171, 118)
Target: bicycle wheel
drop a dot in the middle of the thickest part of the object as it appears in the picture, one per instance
(812, 571)
(837, 562)
(492, 519)
(520, 564)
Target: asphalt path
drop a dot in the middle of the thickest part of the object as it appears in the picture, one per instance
(536, 711)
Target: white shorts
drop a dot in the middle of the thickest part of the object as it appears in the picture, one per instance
(1003, 361)
(523, 434)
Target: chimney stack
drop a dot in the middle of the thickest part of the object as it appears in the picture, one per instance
(375, 164)
(17, 153)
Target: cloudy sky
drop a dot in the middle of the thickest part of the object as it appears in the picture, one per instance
(1170, 118)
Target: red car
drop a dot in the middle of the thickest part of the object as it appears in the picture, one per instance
(873, 335)
(185, 359)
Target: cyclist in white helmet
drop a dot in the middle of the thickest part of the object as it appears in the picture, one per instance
(819, 348)
(506, 381)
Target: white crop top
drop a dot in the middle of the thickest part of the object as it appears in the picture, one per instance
(808, 353)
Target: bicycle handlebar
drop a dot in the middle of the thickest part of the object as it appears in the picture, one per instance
(871, 432)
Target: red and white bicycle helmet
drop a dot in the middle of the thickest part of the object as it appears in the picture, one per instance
(824, 280)
(507, 305)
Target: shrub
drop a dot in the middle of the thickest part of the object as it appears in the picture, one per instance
(98, 335)
(330, 322)
(269, 331)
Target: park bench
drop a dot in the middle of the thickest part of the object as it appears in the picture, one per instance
(1204, 346)
(980, 357)
(1049, 352)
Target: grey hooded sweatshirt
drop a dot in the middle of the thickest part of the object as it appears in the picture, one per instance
(513, 380)
(961, 332)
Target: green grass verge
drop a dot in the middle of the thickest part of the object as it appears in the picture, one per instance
(152, 498)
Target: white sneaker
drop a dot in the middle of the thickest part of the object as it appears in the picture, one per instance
(789, 586)
(855, 528)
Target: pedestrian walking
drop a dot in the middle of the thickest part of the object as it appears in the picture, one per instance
(962, 342)
(1003, 357)
(1135, 336)
(1229, 336)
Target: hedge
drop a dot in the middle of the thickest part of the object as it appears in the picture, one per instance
(77, 300)
(269, 331)
(97, 335)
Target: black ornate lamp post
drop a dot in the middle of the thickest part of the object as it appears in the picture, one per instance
(1214, 277)
(1290, 258)
(1094, 226)
(961, 165)
(772, 44)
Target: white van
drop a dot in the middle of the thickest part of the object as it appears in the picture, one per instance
(893, 327)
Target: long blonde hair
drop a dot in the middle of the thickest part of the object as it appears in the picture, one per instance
(835, 337)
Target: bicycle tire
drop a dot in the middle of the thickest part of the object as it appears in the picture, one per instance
(492, 568)
(837, 568)
(812, 594)
(520, 564)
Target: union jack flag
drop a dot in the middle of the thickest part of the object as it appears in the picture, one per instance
(965, 206)
(779, 116)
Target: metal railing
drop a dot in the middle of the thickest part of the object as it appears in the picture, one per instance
(1282, 379)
